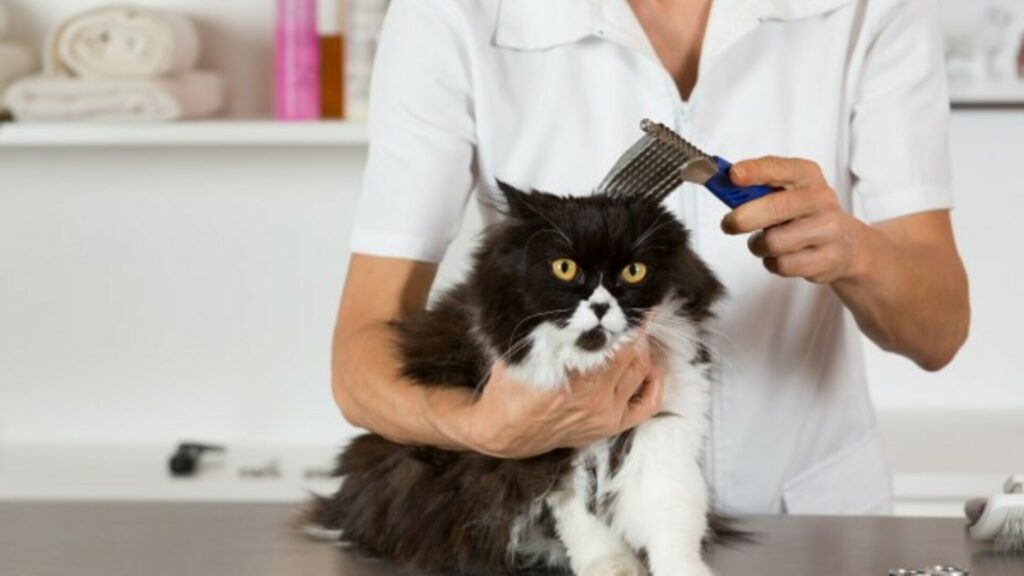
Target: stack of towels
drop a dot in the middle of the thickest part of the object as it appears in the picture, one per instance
(123, 64)
(15, 60)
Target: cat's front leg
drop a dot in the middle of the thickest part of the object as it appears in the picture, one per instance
(662, 506)
(675, 527)
(591, 545)
(676, 551)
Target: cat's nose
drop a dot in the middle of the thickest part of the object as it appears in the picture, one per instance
(599, 309)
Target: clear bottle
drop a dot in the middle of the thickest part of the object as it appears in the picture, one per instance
(363, 21)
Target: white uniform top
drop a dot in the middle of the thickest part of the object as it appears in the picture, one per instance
(547, 94)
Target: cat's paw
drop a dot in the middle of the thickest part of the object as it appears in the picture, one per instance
(614, 565)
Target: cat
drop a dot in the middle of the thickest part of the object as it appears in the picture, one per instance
(557, 285)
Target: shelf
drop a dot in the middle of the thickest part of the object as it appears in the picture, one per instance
(139, 473)
(219, 133)
(1006, 94)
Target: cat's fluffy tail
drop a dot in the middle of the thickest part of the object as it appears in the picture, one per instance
(319, 520)
(725, 531)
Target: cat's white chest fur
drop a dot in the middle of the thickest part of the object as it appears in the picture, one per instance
(627, 510)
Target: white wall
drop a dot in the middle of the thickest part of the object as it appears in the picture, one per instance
(152, 294)
(987, 152)
(148, 295)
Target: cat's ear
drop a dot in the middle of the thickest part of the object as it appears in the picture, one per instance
(517, 203)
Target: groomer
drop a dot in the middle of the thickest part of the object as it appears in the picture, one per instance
(841, 103)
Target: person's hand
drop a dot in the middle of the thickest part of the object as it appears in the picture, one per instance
(513, 420)
(801, 231)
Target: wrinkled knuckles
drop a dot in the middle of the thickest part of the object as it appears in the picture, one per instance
(825, 197)
(501, 447)
(781, 266)
(640, 371)
(600, 403)
(617, 565)
(811, 167)
(777, 169)
(833, 229)
(780, 207)
(612, 426)
(774, 243)
(836, 257)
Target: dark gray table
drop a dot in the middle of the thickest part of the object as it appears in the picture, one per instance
(49, 539)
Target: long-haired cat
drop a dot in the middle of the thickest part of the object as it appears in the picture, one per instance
(557, 286)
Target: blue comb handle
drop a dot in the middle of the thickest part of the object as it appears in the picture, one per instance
(722, 187)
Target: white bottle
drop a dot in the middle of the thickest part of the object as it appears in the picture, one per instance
(364, 21)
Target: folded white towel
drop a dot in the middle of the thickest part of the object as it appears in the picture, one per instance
(122, 42)
(15, 61)
(56, 98)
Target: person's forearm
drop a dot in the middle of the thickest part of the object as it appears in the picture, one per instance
(908, 297)
(372, 394)
(902, 278)
(509, 419)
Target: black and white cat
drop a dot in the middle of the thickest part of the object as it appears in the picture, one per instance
(557, 285)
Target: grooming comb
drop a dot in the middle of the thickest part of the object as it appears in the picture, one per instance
(662, 160)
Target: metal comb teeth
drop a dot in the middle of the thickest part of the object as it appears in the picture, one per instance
(656, 165)
(668, 136)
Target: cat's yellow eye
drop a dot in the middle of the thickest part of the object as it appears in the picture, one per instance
(565, 269)
(634, 273)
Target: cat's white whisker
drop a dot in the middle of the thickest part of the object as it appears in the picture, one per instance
(519, 345)
(704, 328)
(654, 227)
(549, 221)
(526, 245)
(537, 315)
(711, 350)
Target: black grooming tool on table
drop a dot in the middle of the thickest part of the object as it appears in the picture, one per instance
(185, 460)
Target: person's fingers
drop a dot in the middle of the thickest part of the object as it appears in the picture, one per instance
(499, 370)
(815, 264)
(631, 378)
(777, 208)
(646, 403)
(625, 357)
(775, 172)
(587, 382)
(794, 236)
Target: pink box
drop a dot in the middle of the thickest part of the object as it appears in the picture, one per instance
(296, 61)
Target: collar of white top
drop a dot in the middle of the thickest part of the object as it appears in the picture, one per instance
(543, 24)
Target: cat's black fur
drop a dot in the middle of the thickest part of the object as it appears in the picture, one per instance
(442, 510)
